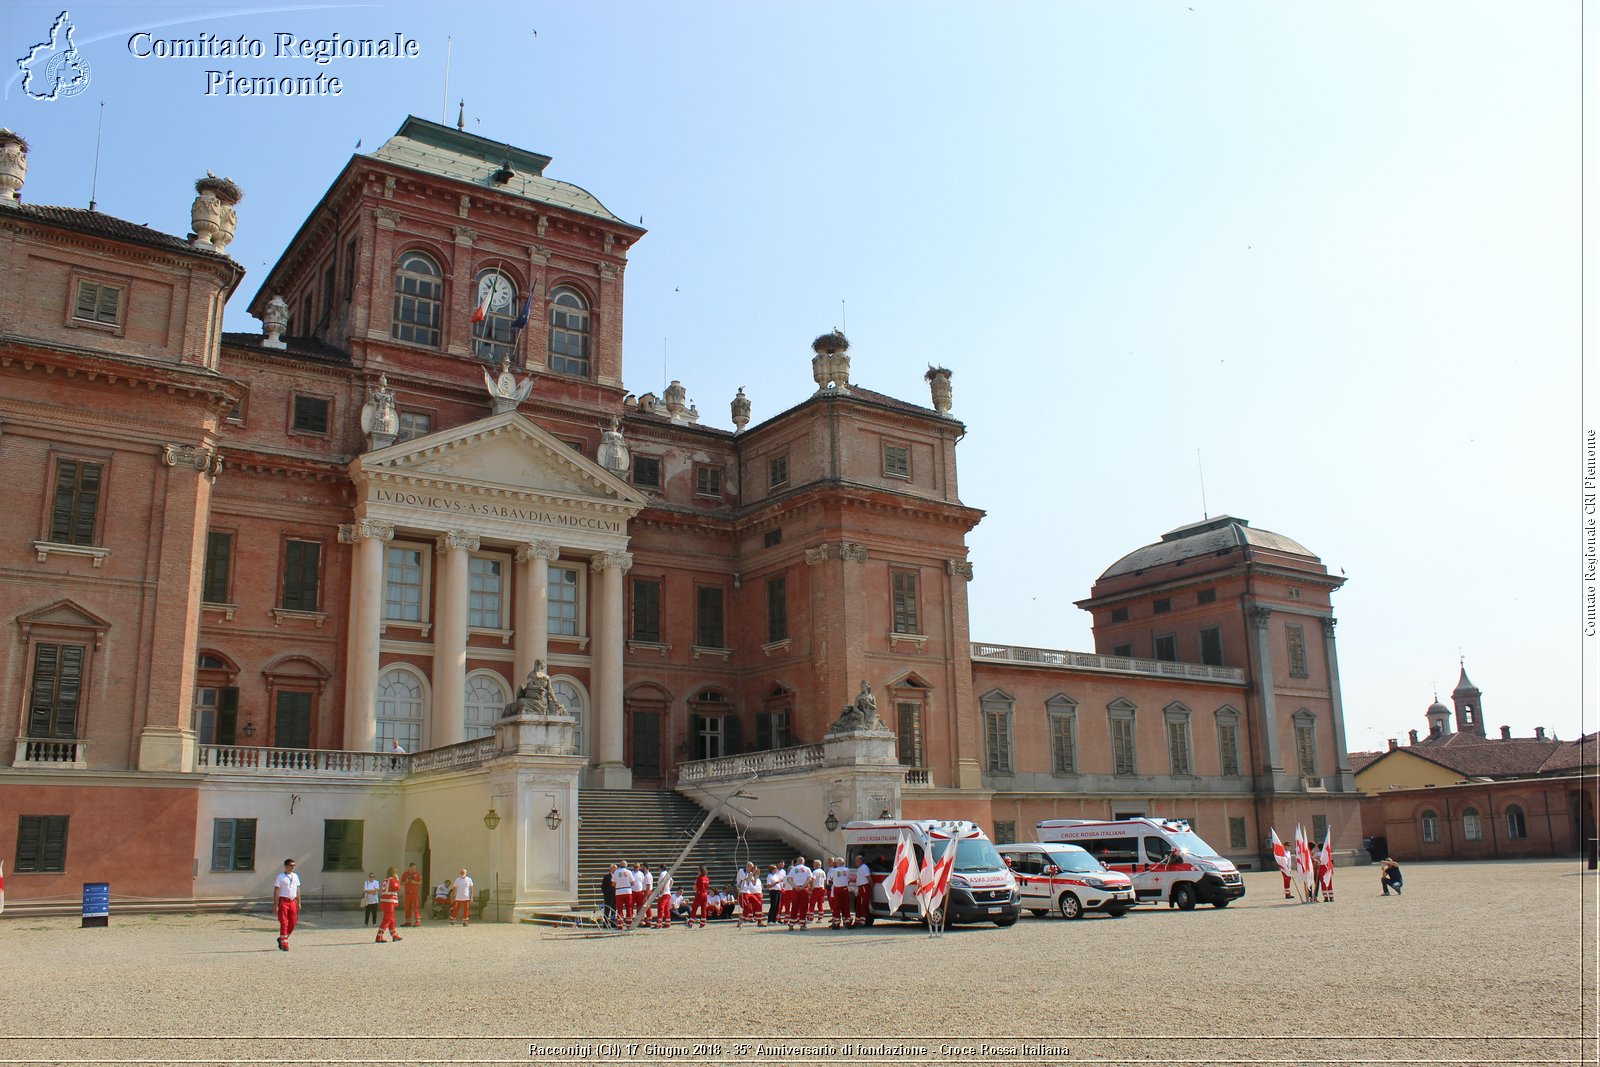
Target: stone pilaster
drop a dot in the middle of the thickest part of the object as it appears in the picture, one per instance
(608, 641)
(450, 639)
(366, 616)
(1260, 618)
(1347, 778)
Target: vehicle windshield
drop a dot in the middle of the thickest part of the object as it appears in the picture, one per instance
(972, 854)
(1193, 845)
(1077, 862)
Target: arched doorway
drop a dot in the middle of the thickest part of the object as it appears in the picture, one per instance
(418, 852)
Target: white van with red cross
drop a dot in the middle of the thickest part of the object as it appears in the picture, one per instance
(1165, 858)
(981, 886)
(1054, 876)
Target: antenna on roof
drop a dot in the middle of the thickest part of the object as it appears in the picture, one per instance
(1204, 513)
(94, 182)
(444, 98)
(842, 323)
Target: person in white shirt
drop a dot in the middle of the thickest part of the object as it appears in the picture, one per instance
(664, 904)
(369, 898)
(799, 893)
(819, 889)
(750, 896)
(777, 878)
(839, 893)
(643, 882)
(622, 880)
(286, 901)
(461, 898)
(861, 884)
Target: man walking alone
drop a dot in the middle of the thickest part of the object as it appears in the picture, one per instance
(286, 901)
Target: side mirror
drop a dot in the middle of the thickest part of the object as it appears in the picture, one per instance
(1052, 869)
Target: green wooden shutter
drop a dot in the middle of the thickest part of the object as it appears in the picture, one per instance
(763, 731)
(332, 843)
(244, 845)
(222, 844)
(730, 735)
(227, 714)
(30, 832)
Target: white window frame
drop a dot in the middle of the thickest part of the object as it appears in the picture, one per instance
(1430, 827)
(567, 689)
(1471, 825)
(481, 725)
(502, 624)
(580, 586)
(385, 738)
(425, 557)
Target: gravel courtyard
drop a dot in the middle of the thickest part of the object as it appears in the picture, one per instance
(1477, 963)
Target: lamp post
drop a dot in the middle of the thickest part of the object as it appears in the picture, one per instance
(831, 822)
(491, 821)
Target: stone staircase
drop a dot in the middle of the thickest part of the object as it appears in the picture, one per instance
(653, 826)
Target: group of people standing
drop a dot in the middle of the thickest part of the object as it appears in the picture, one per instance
(380, 898)
(798, 895)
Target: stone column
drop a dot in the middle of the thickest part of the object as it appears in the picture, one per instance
(1266, 695)
(366, 615)
(607, 636)
(1347, 779)
(533, 604)
(450, 639)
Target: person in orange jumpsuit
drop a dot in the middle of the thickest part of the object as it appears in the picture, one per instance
(388, 900)
(411, 887)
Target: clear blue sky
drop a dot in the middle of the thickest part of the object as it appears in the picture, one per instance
(1333, 249)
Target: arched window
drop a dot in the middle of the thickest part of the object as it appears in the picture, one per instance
(399, 710)
(495, 337)
(1516, 822)
(569, 331)
(570, 697)
(1430, 828)
(418, 293)
(1471, 825)
(487, 697)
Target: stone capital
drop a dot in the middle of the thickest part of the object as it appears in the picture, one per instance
(608, 272)
(852, 550)
(538, 255)
(1259, 616)
(456, 539)
(538, 550)
(387, 217)
(464, 235)
(204, 459)
(817, 555)
(1328, 624)
(606, 560)
(365, 529)
(961, 567)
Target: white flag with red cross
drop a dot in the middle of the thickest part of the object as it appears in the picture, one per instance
(902, 875)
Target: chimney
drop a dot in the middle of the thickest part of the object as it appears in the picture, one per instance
(1413, 737)
(13, 167)
(1505, 733)
(1393, 744)
(1538, 731)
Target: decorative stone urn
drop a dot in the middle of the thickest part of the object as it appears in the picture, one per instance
(675, 395)
(205, 215)
(13, 166)
(938, 379)
(741, 411)
(225, 228)
(276, 321)
(831, 364)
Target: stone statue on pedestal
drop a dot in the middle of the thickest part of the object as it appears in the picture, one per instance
(535, 697)
(862, 715)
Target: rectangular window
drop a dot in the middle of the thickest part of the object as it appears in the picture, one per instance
(904, 584)
(76, 504)
(302, 564)
(997, 738)
(1211, 646)
(310, 414)
(908, 727)
(777, 471)
(772, 730)
(1297, 651)
(647, 471)
(777, 609)
(97, 303)
(772, 538)
(1121, 746)
(1124, 650)
(57, 689)
(708, 481)
(41, 844)
(647, 610)
(563, 601)
(1305, 741)
(216, 714)
(896, 461)
(341, 844)
(1178, 746)
(402, 584)
(233, 844)
(1319, 830)
(291, 723)
(708, 631)
(1119, 614)
(1166, 648)
(219, 566)
(1206, 596)
(1430, 828)
(1063, 745)
(1005, 832)
(1516, 823)
(1228, 743)
(485, 593)
(414, 424)
(1162, 606)
(1236, 832)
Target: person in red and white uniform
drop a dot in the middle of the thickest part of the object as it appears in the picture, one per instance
(663, 918)
(286, 901)
(643, 882)
(861, 886)
(622, 881)
(411, 889)
(799, 893)
(388, 900)
(750, 909)
(461, 898)
(819, 890)
(839, 893)
(702, 895)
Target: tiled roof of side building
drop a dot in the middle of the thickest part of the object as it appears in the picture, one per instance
(1203, 539)
(1582, 754)
(1497, 758)
(294, 348)
(1360, 761)
(102, 225)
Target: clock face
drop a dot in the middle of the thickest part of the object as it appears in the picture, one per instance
(497, 288)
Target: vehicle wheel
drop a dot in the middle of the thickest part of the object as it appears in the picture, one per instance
(936, 918)
(1036, 912)
(1220, 903)
(1012, 921)
(1116, 913)
(1183, 896)
(1071, 907)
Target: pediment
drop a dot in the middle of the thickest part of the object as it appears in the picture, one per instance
(506, 454)
(64, 614)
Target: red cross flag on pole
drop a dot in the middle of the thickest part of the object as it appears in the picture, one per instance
(902, 875)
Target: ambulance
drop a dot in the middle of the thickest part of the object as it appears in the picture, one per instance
(982, 888)
(1165, 859)
(1067, 880)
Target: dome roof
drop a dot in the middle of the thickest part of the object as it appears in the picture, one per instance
(1437, 708)
(1205, 538)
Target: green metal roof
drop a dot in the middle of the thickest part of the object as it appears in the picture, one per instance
(435, 149)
